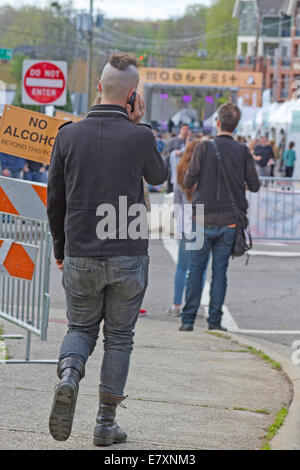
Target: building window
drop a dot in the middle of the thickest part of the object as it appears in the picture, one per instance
(247, 25)
(270, 27)
(298, 24)
(244, 22)
(269, 50)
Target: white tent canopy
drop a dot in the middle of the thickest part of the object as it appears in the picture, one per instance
(186, 116)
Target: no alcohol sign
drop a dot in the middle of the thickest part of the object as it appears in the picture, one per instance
(44, 82)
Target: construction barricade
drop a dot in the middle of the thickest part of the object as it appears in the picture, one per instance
(25, 252)
(274, 212)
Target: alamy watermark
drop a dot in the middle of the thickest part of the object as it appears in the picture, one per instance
(296, 353)
(132, 221)
(296, 86)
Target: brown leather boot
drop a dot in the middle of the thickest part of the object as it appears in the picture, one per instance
(70, 370)
(107, 432)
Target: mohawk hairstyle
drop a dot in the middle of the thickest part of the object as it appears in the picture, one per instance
(122, 61)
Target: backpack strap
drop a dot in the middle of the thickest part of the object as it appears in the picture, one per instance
(218, 155)
(222, 171)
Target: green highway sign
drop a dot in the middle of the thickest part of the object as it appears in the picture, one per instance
(6, 54)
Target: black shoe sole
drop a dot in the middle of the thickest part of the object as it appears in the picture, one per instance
(98, 441)
(186, 329)
(217, 328)
(62, 413)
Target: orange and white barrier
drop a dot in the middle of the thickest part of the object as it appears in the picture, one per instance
(23, 198)
(17, 259)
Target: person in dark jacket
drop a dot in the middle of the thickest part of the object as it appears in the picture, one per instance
(219, 229)
(95, 187)
(264, 156)
(34, 171)
(12, 166)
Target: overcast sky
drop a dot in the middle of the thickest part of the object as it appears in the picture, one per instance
(137, 9)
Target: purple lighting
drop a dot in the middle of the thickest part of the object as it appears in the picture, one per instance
(164, 96)
(209, 99)
(186, 98)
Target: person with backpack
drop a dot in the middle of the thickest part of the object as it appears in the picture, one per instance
(219, 227)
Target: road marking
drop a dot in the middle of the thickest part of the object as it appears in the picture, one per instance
(271, 332)
(227, 319)
(278, 254)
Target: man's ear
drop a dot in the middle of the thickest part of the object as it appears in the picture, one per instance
(100, 87)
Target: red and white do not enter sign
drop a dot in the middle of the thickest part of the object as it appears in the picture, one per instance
(44, 82)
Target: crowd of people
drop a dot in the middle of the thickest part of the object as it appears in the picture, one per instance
(19, 168)
(270, 159)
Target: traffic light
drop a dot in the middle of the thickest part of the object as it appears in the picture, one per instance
(143, 60)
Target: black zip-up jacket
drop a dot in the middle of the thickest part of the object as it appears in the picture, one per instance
(203, 172)
(94, 162)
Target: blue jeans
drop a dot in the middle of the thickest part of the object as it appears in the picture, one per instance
(219, 241)
(35, 176)
(182, 270)
(109, 290)
(16, 174)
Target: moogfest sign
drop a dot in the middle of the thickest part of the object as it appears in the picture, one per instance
(205, 78)
(28, 134)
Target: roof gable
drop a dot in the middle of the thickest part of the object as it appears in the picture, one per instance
(269, 7)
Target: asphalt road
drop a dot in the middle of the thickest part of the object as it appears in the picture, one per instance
(263, 296)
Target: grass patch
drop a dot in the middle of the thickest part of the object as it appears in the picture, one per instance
(263, 356)
(234, 350)
(250, 349)
(274, 428)
(218, 335)
(264, 411)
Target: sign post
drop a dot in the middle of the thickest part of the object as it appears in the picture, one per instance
(44, 82)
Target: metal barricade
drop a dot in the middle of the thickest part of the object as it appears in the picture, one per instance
(25, 255)
(274, 212)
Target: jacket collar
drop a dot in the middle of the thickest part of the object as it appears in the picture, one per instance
(102, 110)
(226, 136)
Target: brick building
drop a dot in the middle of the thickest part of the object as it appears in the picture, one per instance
(269, 42)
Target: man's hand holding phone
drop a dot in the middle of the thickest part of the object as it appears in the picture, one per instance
(137, 114)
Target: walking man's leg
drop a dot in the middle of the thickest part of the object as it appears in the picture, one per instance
(221, 249)
(128, 278)
(82, 279)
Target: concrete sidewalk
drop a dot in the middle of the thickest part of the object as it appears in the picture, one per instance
(186, 390)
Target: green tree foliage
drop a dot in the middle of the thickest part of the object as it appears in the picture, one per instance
(222, 31)
(49, 31)
(214, 24)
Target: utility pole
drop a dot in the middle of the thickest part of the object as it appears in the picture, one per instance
(90, 54)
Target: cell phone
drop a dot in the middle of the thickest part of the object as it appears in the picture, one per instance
(131, 100)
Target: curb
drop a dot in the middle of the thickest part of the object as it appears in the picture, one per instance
(288, 436)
